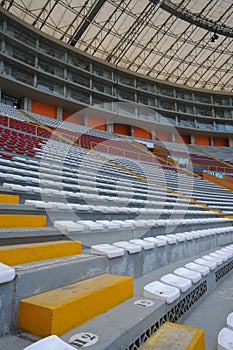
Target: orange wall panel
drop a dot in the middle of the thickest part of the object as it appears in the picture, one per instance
(162, 136)
(220, 142)
(121, 129)
(182, 139)
(97, 123)
(202, 140)
(44, 109)
(142, 133)
(72, 118)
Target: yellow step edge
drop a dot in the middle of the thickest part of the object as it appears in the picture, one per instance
(9, 199)
(22, 221)
(226, 216)
(23, 253)
(172, 336)
(62, 309)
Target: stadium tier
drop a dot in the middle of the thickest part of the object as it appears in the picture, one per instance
(116, 175)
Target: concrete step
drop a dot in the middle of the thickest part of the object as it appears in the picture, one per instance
(24, 253)
(22, 221)
(59, 310)
(9, 199)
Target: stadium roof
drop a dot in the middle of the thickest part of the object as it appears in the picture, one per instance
(189, 42)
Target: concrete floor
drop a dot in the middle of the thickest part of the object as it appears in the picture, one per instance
(211, 315)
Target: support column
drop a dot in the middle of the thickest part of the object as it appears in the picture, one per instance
(132, 131)
(211, 141)
(153, 134)
(192, 139)
(109, 127)
(59, 113)
(27, 104)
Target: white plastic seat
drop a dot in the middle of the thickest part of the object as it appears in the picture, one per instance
(144, 244)
(219, 256)
(211, 264)
(230, 321)
(225, 339)
(91, 225)
(123, 224)
(159, 290)
(194, 276)
(177, 238)
(180, 237)
(68, 225)
(218, 261)
(131, 248)
(50, 343)
(107, 249)
(157, 242)
(228, 250)
(225, 254)
(7, 273)
(180, 282)
(169, 240)
(109, 224)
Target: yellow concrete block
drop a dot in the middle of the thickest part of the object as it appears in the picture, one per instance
(9, 199)
(59, 310)
(176, 337)
(22, 221)
(23, 253)
(226, 216)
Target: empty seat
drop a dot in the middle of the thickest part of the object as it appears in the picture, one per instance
(194, 276)
(7, 273)
(107, 249)
(131, 248)
(227, 250)
(69, 226)
(225, 339)
(230, 321)
(157, 242)
(225, 254)
(218, 261)
(169, 240)
(211, 264)
(182, 283)
(109, 224)
(50, 343)
(144, 244)
(161, 291)
(91, 225)
(219, 256)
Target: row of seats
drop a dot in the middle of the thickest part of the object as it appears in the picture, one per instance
(130, 224)
(172, 285)
(133, 246)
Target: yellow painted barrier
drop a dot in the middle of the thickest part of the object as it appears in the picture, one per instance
(22, 221)
(59, 310)
(23, 253)
(173, 336)
(9, 199)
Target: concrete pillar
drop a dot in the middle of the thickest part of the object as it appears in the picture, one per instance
(230, 142)
(172, 137)
(59, 113)
(27, 104)
(132, 131)
(211, 141)
(153, 134)
(109, 127)
(85, 120)
(192, 139)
